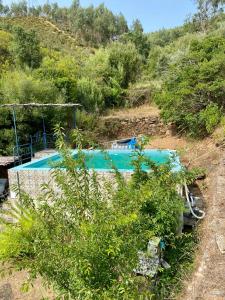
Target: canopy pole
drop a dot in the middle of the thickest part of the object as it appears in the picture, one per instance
(15, 131)
(44, 132)
(74, 118)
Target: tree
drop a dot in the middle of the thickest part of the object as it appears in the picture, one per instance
(35, 11)
(54, 11)
(46, 8)
(125, 62)
(121, 24)
(26, 48)
(19, 9)
(75, 4)
(138, 38)
(1, 7)
(5, 41)
(206, 10)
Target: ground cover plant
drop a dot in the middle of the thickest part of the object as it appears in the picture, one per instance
(84, 240)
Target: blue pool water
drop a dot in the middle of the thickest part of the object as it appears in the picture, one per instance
(97, 160)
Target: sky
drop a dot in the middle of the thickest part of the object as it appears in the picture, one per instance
(153, 14)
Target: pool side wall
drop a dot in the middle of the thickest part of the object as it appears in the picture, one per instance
(31, 181)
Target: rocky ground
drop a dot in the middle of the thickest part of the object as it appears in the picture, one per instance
(208, 279)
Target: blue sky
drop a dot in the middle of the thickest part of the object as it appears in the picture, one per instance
(153, 14)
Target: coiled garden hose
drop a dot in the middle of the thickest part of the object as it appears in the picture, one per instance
(202, 216)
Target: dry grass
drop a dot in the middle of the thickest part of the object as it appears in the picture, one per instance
(16, 280)
(48, 33)
(145, 110)
(193, 153)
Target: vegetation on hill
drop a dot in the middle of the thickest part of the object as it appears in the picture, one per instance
(39, 68)
(188, 63)
(42, 59)
(90, 56)
(91, 26)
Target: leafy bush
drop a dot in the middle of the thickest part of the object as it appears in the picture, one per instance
(211, 116)
(62, 72)
(26, 48)
(180, 254)
(98, 69)
(89, 95)
(193, 91)
(20, 87)
(125, 63)
(84, 240)
(7, 140)
(86, 121)
(5, 40)
(97, 66)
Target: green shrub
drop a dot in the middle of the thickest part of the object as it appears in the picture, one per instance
(99, 70)
(125, 63)
(211, 116)
(26, 48)
(192, 94)
(16, 241)
(89, 234)
(5, 40)
(89, 95)
(20, 87)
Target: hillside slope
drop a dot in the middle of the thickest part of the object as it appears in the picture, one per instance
(49, 34)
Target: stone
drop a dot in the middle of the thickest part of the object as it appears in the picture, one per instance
(217, 293)
(149, 261)
(220, 240)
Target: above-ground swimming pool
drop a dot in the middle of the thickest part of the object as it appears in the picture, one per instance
(103, 161)
(32, 175)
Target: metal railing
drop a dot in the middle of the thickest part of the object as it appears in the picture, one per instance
(41, 141)
(22, 153)
(38, 142)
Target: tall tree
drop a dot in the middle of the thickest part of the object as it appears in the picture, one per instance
(138, 38)
(46, 9)
(75, 4)
(206, 10)
(26, 48)
(19, 9)
(1, 7)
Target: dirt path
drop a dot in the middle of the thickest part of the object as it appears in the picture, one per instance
(208, 280)
(56, 28)
(145, 110)
(11, 288)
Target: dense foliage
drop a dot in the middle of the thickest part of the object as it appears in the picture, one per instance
(85, 239)
(192, 94)
(31, 72)
(184, 65)
(187, 65)
(91, 26)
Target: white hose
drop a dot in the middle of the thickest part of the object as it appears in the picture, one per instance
(192, 200)
(190, 206)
